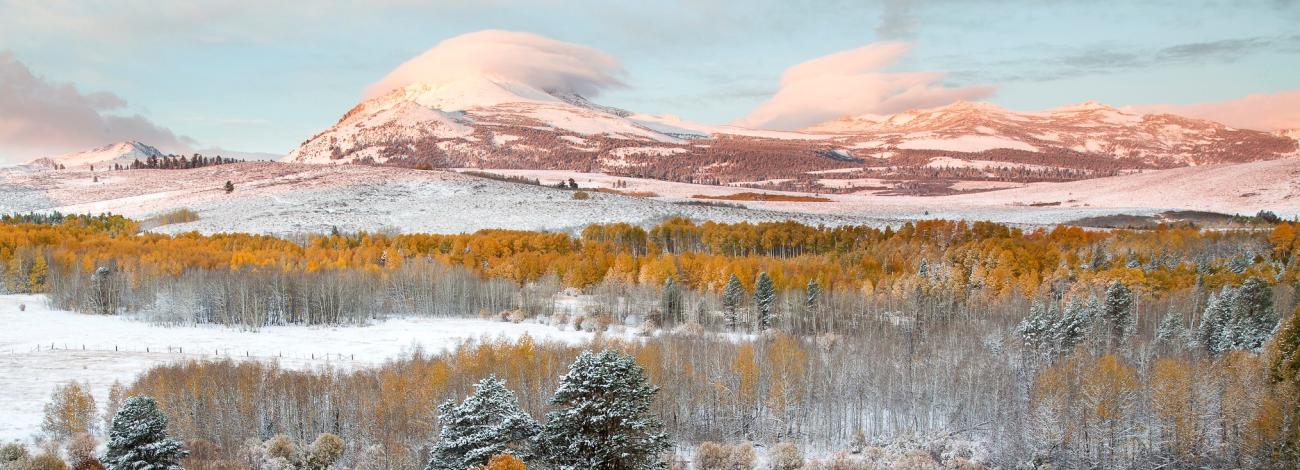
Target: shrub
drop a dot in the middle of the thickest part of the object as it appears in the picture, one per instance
(711, 456)
(11, 453)
(581, 196)
(742, 457)
(784, 456)
(46, 461)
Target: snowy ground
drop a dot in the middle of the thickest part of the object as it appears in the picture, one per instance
(118, 348)
(283, 198)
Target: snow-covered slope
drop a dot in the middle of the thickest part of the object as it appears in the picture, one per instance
(121, 153)
(281, 198)
(491, 122)
(472, 118)
(1090, 128)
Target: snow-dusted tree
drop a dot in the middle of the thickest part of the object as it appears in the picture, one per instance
(487, 423)
(1117, 312)
(1171, 330)
(732, 295)
(1214, 322)
(1239, 318)
(670, 302)
(70, 411)
(764, 300)
(1254, 319)
(1036, 329)
(814, 295)
(138, 439)
(1072, 327)
(602, 419)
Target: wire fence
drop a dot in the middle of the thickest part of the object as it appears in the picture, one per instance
(201, 352)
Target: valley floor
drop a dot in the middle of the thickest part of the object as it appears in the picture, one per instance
(118, 349)
(283, 198)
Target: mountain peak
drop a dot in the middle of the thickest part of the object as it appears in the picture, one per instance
(123, 152)
(1090, 105)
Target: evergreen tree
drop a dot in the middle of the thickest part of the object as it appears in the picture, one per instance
(1214, 322)
(731, 298)
(764, 299)
(1035, 329)
(1171, 330)
(229, 187)
(1072, 327)
(138, 439)
(1254, 319)
(487, 423)
(1117, 312)
(814, 295)
(670, 301)
(602, 419)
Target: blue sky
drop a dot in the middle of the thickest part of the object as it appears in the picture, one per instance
(241, 75)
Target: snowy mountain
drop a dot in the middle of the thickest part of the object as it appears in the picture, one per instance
(491, 122)
(1089, 128)
(122, 153)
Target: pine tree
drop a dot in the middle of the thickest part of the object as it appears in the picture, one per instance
(1254, 319)
(602, 419)
(229, 187)
(1117, 312)
(1214, 322)
(814, 295)
(731, 297)
(764, 299)
(1072, 327)
(670, 301)
(487, 423)
(138, 439)
(1035, 329)
(1171, 330)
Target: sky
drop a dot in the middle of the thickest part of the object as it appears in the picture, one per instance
(225, 75)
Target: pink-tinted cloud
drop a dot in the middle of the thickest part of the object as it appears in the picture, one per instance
(538, 61)
(851, 83)
(40, 118)
(1259, 111)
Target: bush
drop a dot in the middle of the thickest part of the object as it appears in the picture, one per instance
(711, 456)
(81, 452)
(784, 456)
(46, 461)
(324, 452)
(742, 457)
(11, 453)
(581, 196)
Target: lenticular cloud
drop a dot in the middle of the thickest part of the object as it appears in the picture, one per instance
(852, 83)
(538, 61)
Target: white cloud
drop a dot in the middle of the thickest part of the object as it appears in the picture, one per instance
(39, 117)
(528, 58)
(851, 83)
(1259, 111)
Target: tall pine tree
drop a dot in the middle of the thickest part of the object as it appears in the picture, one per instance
(487, 423)
(602, 419)
(1117, 312)
(138, 439)
(731, 298)
(670, 302)
(764, 300)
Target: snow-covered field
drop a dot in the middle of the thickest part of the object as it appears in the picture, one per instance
(285, 198)
(118, 349)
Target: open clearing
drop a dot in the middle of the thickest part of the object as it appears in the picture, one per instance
(30, 370)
